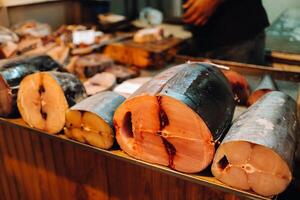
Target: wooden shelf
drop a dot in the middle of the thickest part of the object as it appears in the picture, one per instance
(204, 178)
(11, 3)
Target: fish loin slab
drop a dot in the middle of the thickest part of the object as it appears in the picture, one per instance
(91, 120)
(258, 151)
(44, 97)
(11, 74)
(176, 117)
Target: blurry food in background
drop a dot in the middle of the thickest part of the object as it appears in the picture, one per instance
(144, 55)
(59, 53)
(7, 35)
(110, 22)
(151, 16)
(32, 28)
(28, 44)
(12, 72)
(8, 43)
(266, 85)
(128, 87)
(89, 65)
(110, 18)
(99, 83)
(123, 73)
(149, 35)
(8, 49)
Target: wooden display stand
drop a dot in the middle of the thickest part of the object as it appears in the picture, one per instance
(34, 166)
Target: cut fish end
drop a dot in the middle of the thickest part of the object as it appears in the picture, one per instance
(246, 166)
(87, 127)
(42, 103)
(6, 98)
(163, 130)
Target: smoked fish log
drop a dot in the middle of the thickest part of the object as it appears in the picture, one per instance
(44, 98)
(91, 120)
(257, 153)
(267, 84)
(176, 117)
(11, 74)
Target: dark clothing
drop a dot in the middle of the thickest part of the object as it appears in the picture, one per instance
(234, 21)
(248, 51)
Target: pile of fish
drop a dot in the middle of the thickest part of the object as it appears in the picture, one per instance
(177, 119)
(74, 47)
(181, 118)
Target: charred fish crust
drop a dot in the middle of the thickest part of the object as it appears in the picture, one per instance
(171, 151)
(223, 162)
(163, 118)
(127, 125)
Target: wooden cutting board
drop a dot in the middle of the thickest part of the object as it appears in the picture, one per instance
(144, 55)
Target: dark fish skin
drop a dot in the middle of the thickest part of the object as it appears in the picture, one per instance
(102, 104)
(202, 87)
(72, 87)
(13, 71)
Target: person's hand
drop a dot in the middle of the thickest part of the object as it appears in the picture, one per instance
(199, 11)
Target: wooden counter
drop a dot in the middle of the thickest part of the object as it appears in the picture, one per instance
(34, 165)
